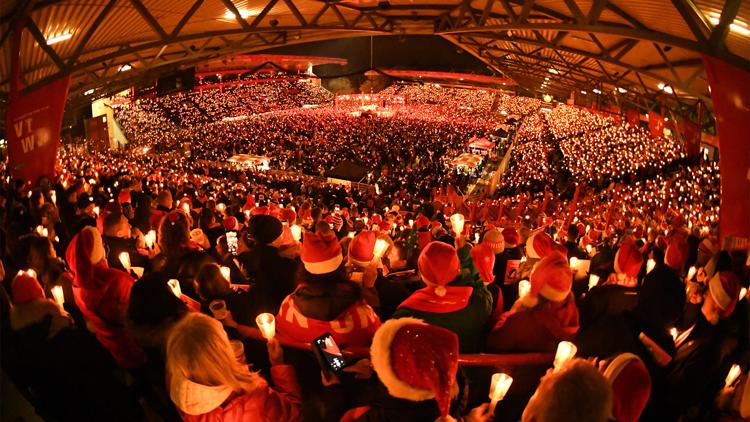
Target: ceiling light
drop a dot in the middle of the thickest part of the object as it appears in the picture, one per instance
(546, 78)
(89, 92)
(553, 71)
(621, 90)
(739, 27)
(668, 89)
(584, 92)
(660, 85)
(244, 13)
(597, 91)
(125, 67)
(59, 38)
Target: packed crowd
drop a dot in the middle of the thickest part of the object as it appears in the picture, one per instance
(565, 121)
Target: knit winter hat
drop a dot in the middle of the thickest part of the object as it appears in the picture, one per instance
(551, 278)
(539, 245)
(361, 248)
(725, 290)
(416, 361)
(677, 253)
(628, 260)
(265, 229)
(231, 224)
(438, 265)
(26, 288)
(631, 387)
(484, 259)
(511, 237)
(321, 253)
(494, 239)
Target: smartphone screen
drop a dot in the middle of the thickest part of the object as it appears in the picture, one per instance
(330, 352)
(232, 242)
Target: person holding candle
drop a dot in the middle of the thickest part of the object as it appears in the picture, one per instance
(117, 239)
(176, 248)
(102, 294)
(163, 207)
(452, 298)
(210, 284)
(206, 381)
(325, 300)
(544, 317)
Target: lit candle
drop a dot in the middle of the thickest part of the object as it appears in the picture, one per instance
(39, 229)
(45, 232)
(650, 264)
(411, 223)
(743, 293)
(296, 232)
(691, 273)
(175, 286)
(125, 260)
(380, 246)
(225, 271)
(498, 388)
(593, 281)
(57, 293)
(565, 352)
(150, 239)
(186, 208)
(524, 287)
(350, 235)
(674, 333)
(221, 207)
(267, 325)
(96, 211)
(457, 221)
(53, 195)
(588, 249)
(573, 263)
(247, 214)
(733, 374)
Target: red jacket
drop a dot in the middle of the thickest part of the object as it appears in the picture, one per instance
(535, 330)
(263, 404)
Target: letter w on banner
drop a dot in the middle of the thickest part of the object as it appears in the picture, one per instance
(32, 123)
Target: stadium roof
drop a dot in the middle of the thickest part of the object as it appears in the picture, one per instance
(640, 52)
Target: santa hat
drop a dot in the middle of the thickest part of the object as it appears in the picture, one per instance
(26, 288)
(438, 265)
(677, 253)
(361, 248)
(494, 239)
(250, 201)
(423, 239)
(231, 224)
(551, 278)
(484, 259)
(725, 290)
(416, 361)
(628, 260)
(321, 253)
(661, 242)
(376, 219)
(422, 222)
(123, 197)
(709, 246)
(631, 387)
(288, 215)
(384, 225)
(539, 245)
(260, 211)
(84, 251)
(511, 237)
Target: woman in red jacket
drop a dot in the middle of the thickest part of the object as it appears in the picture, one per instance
(543, 317)
(208, 382)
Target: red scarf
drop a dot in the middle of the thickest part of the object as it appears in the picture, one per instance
(425, 300)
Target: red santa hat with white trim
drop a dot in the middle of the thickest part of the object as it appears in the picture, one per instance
(631, 387)
(484, 260)
(416, 361)
(438, 265)
(551, 278)
(321, 253)
(539, 245)
(362, 247)
(724, 288)
(628, 260)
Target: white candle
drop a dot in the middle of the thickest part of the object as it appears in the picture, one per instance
(125, 260)
(57, 293)
(733, 374)
(186, 208)
(457, 221)
(565, 352)
(593, 281)
(650, 264)
(150, 239)
(39, 230)
(674, 333)
(351, 235)
(691, 273)
(226, 272)
(380, 246)
(476, 237)
(96, 211)
(524, 287)
(573, 263)
(175, 286)
(743, 293)
(498, 388)
(53, 195)
(267, 325)
(411, 223)
(588, 249)
(296, 232)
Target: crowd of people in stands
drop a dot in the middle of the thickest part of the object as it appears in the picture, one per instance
(143, 286)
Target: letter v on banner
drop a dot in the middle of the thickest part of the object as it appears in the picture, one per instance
(33, 121)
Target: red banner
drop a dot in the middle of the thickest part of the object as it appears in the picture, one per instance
(634, 117)
(730, 92)
(32, 124)
(692, 135)
(656, 124)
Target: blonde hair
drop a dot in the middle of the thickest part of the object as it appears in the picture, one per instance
(199, 349)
